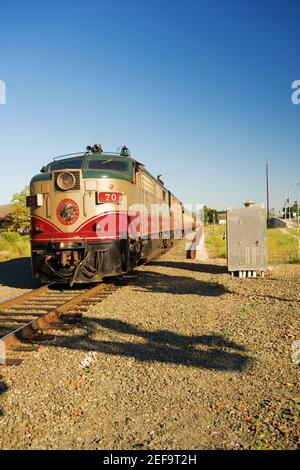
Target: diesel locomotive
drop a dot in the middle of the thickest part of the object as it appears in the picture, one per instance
(97, 214)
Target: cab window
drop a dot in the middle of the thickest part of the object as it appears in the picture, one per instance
(61, 164)
(111, 165)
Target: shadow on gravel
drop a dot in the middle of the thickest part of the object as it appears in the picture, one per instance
(206, 351)
(197, 267)
(167, 284)
(17, 273)
(3, 388)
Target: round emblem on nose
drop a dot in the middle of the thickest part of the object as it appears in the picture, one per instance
(67, 211)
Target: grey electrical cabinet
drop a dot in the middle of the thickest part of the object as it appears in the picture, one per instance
(247, 241)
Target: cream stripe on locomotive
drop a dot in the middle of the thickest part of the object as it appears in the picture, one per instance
(85, 200)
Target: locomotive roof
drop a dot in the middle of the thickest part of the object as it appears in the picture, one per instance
(84, 157)
(46, 170)
(93, 155)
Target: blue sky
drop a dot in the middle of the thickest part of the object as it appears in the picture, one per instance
(200, 91)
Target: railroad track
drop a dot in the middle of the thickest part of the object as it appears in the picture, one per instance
(25, 319)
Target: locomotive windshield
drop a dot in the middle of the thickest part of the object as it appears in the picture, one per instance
(61, 164)
(111, 165)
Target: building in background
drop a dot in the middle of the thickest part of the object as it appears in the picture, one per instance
(5, 217)
(222, 218)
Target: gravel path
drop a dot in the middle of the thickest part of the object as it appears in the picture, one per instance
(16, 278)
(184, 356)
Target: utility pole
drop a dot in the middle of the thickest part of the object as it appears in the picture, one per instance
(285, 201)
(267, 187)
(289, 207)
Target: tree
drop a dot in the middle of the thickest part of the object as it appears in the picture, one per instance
(295, 208)
(210, 215)
(290, 211)
(20, 213)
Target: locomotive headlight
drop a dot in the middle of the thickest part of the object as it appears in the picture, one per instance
(65, 181)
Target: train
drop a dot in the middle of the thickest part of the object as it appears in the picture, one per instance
(97, 214)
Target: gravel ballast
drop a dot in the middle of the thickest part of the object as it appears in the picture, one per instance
(184, 356)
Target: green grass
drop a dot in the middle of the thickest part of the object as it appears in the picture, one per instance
(282, 247)
(294, 231)
(12, 245)
(215, 244)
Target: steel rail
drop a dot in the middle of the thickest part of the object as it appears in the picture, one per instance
(29, 330)
(27, 296)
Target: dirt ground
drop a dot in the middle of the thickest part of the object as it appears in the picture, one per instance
(183, 357)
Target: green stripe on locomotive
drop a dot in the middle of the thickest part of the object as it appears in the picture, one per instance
(82, 163)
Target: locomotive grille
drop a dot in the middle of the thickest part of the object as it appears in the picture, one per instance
(76, 175)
